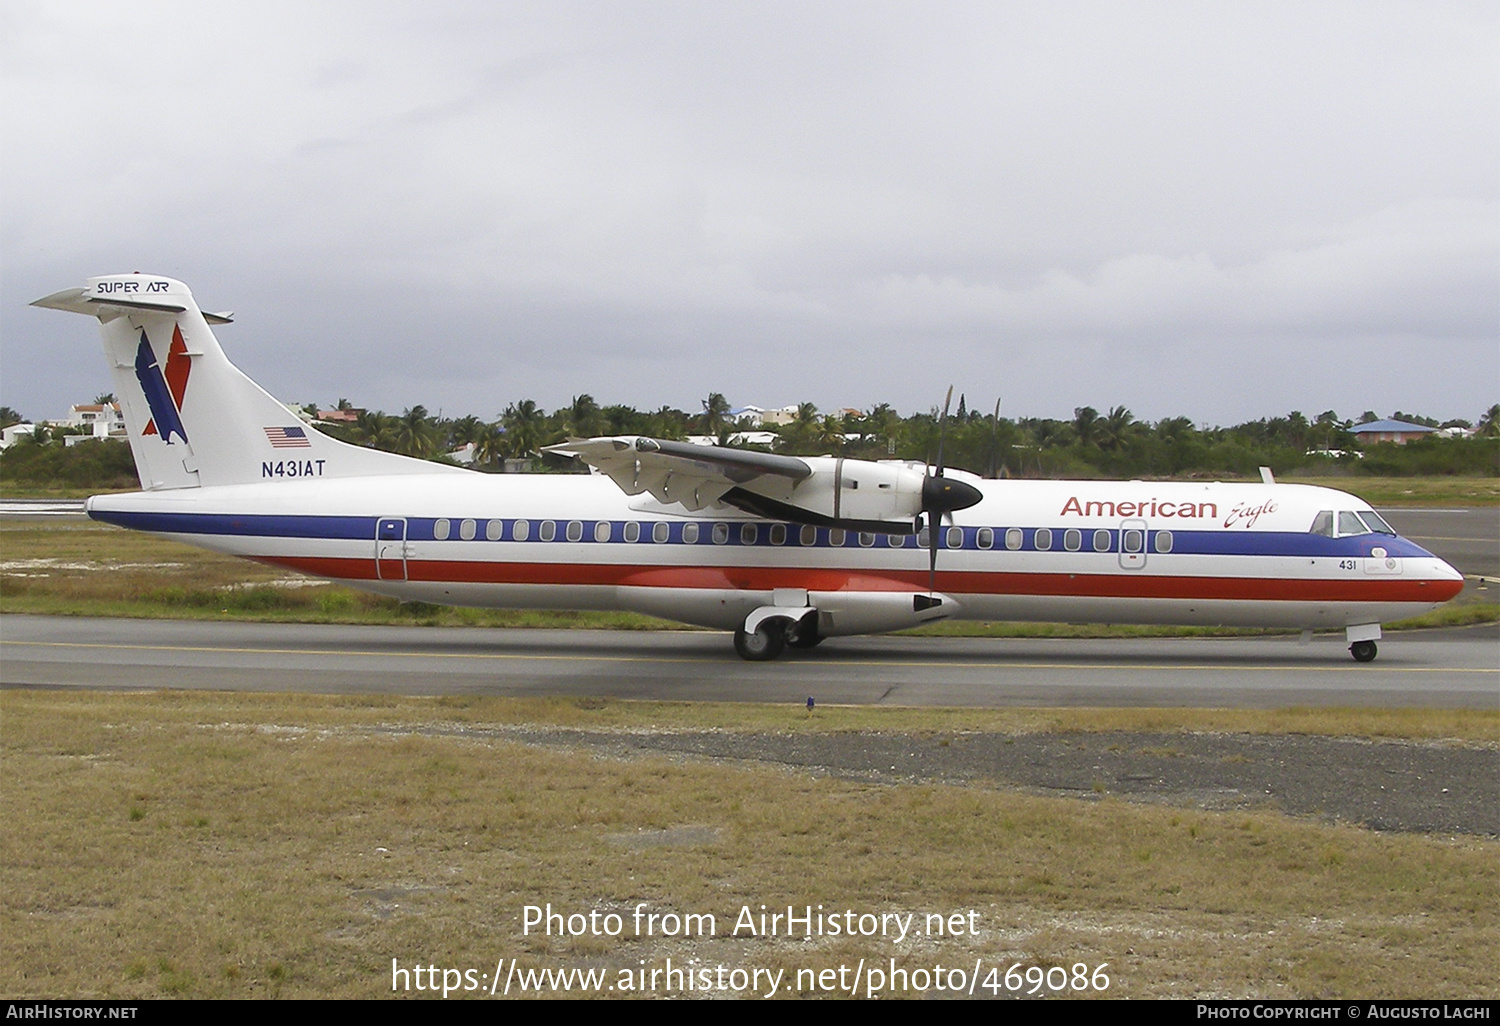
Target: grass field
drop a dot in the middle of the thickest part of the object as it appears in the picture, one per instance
(1411, 491)
(71, 567)
(238, 845)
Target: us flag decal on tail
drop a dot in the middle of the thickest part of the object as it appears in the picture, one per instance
(288, 438)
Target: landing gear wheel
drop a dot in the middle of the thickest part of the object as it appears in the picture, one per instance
(803, 634)
(766, 643)
(1363, 651)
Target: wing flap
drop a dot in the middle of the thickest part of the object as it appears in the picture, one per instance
(693, 476)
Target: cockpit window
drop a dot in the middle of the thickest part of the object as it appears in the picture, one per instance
(1350, 524)
(1374, 522)
(1323, 524)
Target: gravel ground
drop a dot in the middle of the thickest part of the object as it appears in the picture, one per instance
(1383, 785)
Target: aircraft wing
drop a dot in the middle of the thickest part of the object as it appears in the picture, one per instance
(695, 476)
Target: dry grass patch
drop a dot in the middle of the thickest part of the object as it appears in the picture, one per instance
(240, 845)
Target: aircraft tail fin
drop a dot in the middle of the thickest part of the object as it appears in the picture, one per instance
(193, 418)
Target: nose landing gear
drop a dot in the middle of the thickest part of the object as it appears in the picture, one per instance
(1362, 638)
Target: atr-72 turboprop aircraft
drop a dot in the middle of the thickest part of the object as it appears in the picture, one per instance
(781, 550)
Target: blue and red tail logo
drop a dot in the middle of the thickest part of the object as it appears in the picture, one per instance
(164, 392)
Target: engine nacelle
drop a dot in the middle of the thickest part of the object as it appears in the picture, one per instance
(857, 495)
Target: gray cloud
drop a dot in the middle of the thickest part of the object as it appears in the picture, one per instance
(1224, 211)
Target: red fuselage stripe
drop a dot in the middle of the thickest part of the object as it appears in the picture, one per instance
(954, 582)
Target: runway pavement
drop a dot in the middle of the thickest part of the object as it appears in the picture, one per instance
(1467, 537)
(1455, 668)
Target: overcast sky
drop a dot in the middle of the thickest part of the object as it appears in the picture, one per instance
(1222, 210)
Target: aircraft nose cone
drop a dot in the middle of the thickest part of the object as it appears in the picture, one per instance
(944, 494)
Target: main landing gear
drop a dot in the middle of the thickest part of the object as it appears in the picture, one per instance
(763, 643)
(1362, 640)
(774, 634)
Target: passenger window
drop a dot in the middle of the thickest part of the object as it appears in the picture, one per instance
(440, 529)
(924, 540)
(778, 534)
(1323, 524)
(955, 539)
(632, 531)
(601, 531)
(548, 531)
(690, 532)
(896, 541)
(575, 531)
(494, 530)
(721, 534)
(1132, 540)
(866, 539)
(986, 538)
(1042, 539)
(522, 530)
(1101, 541)
(1013, 538)
(1072, 539)
(748, 534)
(836, 537)
(1163, 541)
(808, 535)
(466, 530)
(1350, 524)
(660, 531)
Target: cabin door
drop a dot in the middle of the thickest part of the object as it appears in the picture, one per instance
(390, 549)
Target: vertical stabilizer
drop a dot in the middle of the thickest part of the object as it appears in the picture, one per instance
(194, 419)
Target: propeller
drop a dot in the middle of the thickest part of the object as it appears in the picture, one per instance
(941, 497)
(994, 441)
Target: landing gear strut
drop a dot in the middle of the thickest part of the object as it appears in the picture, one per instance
(804, 633)
(1363, 651)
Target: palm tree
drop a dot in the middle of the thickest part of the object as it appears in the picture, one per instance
(1114, 429)
(465, 430)
(715, 413)
(583, 417)
(489, 445)
(1086, 425)
(523, 427)
(374, 429)
(1489, 424)
(414, 432)
(667, 423)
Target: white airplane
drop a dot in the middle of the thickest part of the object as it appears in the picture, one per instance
(781, 550)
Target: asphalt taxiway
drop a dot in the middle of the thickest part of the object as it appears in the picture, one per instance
(1451, 668)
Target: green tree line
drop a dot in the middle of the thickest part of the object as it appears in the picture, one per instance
(1110, 444)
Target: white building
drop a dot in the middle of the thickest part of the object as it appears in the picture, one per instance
(100, 420)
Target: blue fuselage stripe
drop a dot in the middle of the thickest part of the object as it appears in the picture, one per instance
(354, 528)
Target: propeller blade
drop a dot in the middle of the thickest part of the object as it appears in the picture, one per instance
(932, 546)
(994, 440)
(941, 497)
(943, 431)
